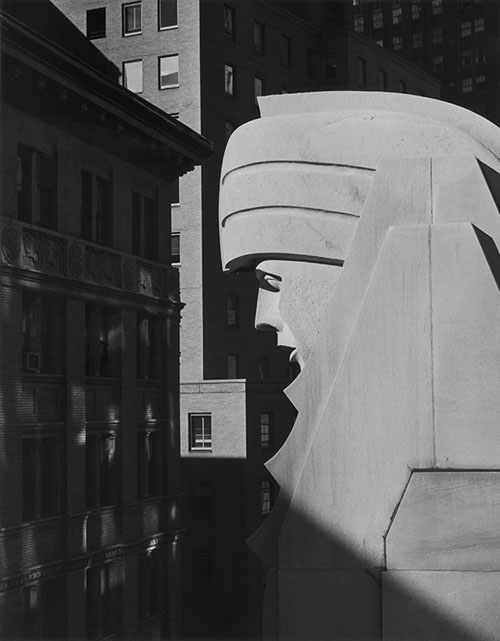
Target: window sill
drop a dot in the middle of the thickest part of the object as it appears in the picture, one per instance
(169, 87)
(174, 26)
(135, 33)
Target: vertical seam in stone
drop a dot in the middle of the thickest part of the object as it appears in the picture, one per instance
(431, 328)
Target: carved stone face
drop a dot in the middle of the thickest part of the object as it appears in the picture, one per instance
(292, 299)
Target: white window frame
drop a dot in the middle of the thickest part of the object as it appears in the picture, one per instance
(173, 85)
(125, 8)
(124, 76)
(206, 442)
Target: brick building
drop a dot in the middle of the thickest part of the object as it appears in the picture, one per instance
(457, 41)
(206, 62)
(90, 521)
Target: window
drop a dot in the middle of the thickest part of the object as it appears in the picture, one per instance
(200, 432)
(36, 184)
(229, 25)
(175, 248)
(232, 310)
(466, 58)
(132, 18)
(437, 35)
(397, 43)
(361, 72)
(286, 51)
(43, 610)
(150, 343)
(103, 601)
(437, 7)
(466, 85)
(258, 87)
(378, 20)
(437, 64)
(416, 10)
(150, 463)
(359, 24)
(42, 479)
(397, 14)
(229, 127)
(382, 80)
(132, 75)
(416, 42)
(101, 341)
(330, 67)
(403, 87)
(175, 192)
(167, 14)
(259, 37)
(466, 28)
(42, 328)
(380, 43)
(233, 362)
(96, 23)
(96, 209)
(480, 82)
(144, 226)
(263, 367)
(265, 497)
(168, 71)
(478, 25)
(152, 573)
(229, 84)
(265, 430)
(102, 470)
(480, 56)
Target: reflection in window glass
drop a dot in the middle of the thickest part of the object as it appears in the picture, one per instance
(132, 75)
(169, 71)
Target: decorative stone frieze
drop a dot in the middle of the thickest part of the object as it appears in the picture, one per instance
(102, 267)
(75, 261)
(44, 251)
(11, 244)
(152, 280)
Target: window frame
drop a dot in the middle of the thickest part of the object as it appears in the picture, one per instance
(95, 34)
(265, 430)
(230, 24)
(229, 69)
(125, 7)
(206, 432)
(162, 87)
(175, 234)
(124, 81)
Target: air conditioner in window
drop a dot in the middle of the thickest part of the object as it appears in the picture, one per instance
(33, 362)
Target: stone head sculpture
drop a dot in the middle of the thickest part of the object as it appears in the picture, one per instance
(294, 182)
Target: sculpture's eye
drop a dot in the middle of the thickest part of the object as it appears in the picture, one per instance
(273, 282)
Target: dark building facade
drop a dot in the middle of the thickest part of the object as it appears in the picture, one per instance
(90, 492)
(457, 41)
(206, 62)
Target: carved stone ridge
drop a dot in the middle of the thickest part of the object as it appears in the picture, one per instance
(44, 251)
(11, 244)
(103, 267)
(152, 280)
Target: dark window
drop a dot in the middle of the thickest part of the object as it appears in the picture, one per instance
(232, 310)
(103, 601)
(378, 21)
(175, 248)
(167, 14)
(416, 10)
(200, 432)
(286, 51)
(144, 227)
(150, 464)
(437, 64)
(362, 79)
(382, 80)
(175, 191)
(229, 80)
(101, 341)
(168, 70)
(265, 497)
(36, 184)
(96, 23)
(132, 18)
(42, 480)
(152, 574)
(101, 469)
(229, 26)
(330, 67)
(263, 367)
(44, 610)
(42, 329)
(233, 366)
(96, 209)
(259, 37)
(258, 87)
(150, 361)
(265, 430)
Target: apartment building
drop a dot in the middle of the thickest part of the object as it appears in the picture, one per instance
(206, 62)
(90, 492)
(457, 41)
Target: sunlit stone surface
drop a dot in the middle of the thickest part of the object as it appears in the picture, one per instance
(372, 223)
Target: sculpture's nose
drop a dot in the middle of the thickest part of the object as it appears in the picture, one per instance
(267, 316)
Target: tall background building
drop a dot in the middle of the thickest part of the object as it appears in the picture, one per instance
(90, 492)
(206, 62)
